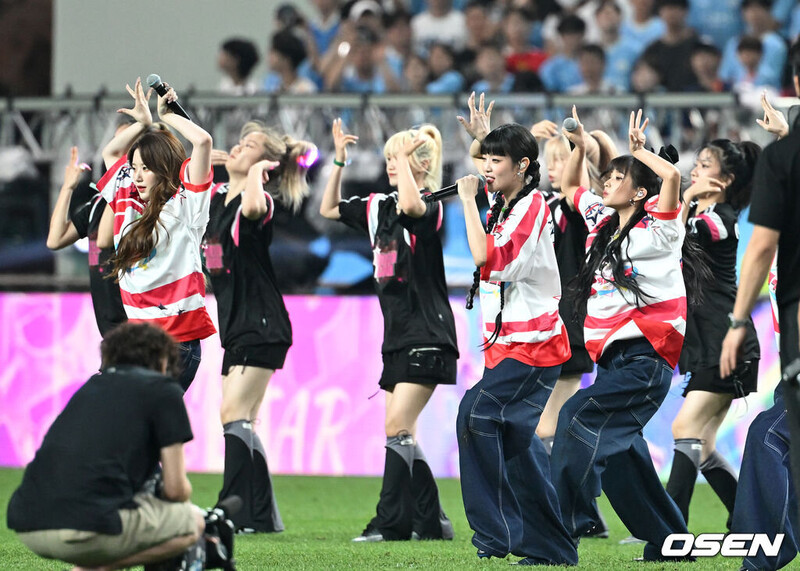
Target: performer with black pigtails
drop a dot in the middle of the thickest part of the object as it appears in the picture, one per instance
(419, 339)
(510, 502)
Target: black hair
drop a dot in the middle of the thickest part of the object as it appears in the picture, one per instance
(594, 50)
(606, 248)
(140, 344)
(680, 3)
(793, 59)
(290, 46)
(245, 54)
(571, 24)
(751, 43)
(366, 35)
(739, 161)
(603, 3)
(516, 142)
(704, 48)
(766, 4)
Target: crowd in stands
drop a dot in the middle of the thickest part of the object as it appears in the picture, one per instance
(504, 46)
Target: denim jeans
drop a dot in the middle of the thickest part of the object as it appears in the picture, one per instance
(766, 501)
(509, 500)
(600, 433)
(189, 359)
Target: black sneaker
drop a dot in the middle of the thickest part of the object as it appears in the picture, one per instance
(369, 535)
(598, 531)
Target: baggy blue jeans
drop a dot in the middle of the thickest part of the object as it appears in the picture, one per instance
(766, 500)
(510, 502)
(189, 359)
(600, 433)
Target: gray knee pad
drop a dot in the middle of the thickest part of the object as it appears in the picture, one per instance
(403, 445)
(691, 448)
(714, 461)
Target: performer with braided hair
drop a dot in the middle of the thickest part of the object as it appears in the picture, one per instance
(510, 502)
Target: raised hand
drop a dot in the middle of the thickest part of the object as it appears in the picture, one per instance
(636, 136)
(576, 136)
(774, 122)
(479, 119)
(412, 145)
(544, 129)
(704, 187)
(262, 168)
(218, 157)
(73, 170)
(164, 101)
(341, 140)
(141, 107)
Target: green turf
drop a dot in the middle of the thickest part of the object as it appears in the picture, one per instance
(322, 514)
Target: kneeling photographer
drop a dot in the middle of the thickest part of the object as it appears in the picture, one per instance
(81, 498)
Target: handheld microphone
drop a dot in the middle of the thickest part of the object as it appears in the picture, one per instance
(449, 191)
(154, 81)
(569, 124)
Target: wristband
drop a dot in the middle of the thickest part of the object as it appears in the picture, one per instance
(734, 323)
(338, 163)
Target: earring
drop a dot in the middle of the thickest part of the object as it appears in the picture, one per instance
(519, 174)
(631, 202)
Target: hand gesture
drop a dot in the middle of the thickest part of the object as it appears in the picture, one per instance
(141, 107)
(576, 136)
(731, 348)
(262, 168)
(163, 100)
(341, 140)
(703, 188)
(218, 157)
(479, 120)
(468, 187)
(774, 122)
(544, 129)
(73, 170)
(636, 136)
(411, 146)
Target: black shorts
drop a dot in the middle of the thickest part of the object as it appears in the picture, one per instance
(263, 356)
(742, 382)
(579, 363)
(429, 365)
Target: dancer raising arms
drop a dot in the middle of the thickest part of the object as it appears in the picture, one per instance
(419, 339)
(508, 496)
(721, 182)
(635, 310)
(160, 201)
(254, 325)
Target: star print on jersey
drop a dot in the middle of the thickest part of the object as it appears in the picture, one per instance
(593, 212)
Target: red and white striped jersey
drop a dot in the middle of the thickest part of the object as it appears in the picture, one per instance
(167, 288)
(653, 247)
(519, 253)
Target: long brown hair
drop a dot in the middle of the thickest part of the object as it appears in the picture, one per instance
(163, 154)
(287, 181)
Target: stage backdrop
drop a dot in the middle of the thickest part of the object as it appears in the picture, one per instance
(323, 413)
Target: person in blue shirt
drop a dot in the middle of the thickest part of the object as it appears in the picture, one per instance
(491, 65)
(561, 71)
(716, 20)
(642, 27)
(445, 79)
(761, 25)
(621, 52)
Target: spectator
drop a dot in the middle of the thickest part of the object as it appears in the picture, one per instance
(561, 71)
(521, 55)
(716, 20)
(760, 25)
(794, 24)
(671, 53)
(444, 77)
(592, 64)
(491, 67)
(645, 76)
(705, 61)
(361, 67)
(416, 74)
(750, 53)
(620, 51)
(286, 54)
(643, 27)
(439, 23)
(324, 24)
(398, 40)
(481, 30)
(236, 59)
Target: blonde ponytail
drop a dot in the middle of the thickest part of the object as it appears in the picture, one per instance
(430, 151)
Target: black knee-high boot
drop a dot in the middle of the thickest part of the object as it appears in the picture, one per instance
(395, 512)
(430, 521)
(247, 476)
(683, 475)
(722, 479)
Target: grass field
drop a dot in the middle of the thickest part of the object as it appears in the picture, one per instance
(322, 514)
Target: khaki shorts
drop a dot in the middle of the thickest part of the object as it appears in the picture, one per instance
(153, 523)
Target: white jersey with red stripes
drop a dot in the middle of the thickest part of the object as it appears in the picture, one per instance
(653, 248)
(520, 255)
(167, 287)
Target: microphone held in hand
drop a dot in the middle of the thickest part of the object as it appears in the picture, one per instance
(569, 124)
(449, 191)
(154, 81)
